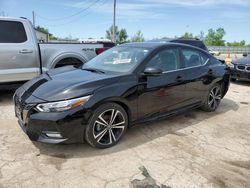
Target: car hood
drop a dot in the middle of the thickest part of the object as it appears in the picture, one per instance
(67, 82)
(244, 60)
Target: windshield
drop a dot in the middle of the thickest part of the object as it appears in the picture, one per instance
(118, 59)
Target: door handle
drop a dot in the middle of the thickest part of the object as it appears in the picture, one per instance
(178, 78)
(25, 51)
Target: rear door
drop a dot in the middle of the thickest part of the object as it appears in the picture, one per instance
(18, 58)
(196, 74)
(165, 92)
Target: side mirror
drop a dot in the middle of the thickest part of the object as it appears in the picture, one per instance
(151, 71)
(245, 54)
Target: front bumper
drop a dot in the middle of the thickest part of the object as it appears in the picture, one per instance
(241, 75)
(56, 127)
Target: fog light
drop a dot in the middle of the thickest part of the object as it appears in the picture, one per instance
(53, 134)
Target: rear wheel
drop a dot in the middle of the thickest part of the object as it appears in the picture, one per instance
(213, 99)
(107, 126)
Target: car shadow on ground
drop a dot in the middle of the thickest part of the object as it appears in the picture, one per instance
(241, 83)
(138, 135)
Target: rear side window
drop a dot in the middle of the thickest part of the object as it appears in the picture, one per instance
(12, 32)
(166, 60)
(193, 58)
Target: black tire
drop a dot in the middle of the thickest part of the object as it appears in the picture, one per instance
(101, 132)
(213, 98)
(233, 79)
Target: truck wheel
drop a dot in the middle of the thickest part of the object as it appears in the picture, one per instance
(69, 61)
(107, 126)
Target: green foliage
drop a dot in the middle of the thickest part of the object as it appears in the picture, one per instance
(120, 36)
(52, 37)
(188, 35)
(215, 37)
(138, 37)
(123, 36)
(237, 44)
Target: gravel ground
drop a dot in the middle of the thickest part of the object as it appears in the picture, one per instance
(194, 149)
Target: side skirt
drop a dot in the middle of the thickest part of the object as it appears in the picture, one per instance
(161, 116)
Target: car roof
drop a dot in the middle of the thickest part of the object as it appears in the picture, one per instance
(145, 44)
(192, 41)
(154, 45)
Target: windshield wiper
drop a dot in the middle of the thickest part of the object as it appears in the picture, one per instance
(93, 70)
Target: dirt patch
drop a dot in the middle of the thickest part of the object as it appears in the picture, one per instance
(58, 160)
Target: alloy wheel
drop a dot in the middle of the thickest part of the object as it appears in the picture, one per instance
(214, 97)
(109, 126)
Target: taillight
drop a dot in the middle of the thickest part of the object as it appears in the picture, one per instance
(99, 50)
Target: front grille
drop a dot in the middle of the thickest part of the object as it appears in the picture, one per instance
(248, 68)
(241, 67)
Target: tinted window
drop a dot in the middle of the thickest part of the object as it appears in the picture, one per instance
(193, 58)
(12, 32)
(166, 60)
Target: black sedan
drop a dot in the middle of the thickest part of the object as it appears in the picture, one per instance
(124, 86)
(240, 69)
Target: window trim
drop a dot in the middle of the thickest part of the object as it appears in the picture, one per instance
(24, 29)
(203, 65)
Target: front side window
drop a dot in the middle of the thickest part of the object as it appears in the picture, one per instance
(118, 59)
(12, 32)
(193, 58)
(166, 60)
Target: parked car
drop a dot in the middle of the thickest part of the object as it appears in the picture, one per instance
(240, 68)
(213, 52)
(22, 57)
(128, 84)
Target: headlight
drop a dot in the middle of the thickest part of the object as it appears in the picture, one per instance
(62, 105)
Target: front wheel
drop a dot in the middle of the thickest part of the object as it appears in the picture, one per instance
(107, 126)
(213, 99)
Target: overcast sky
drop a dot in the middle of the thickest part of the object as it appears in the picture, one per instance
(155, 18)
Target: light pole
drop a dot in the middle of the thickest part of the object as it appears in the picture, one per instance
(33, 16)
(114, 30)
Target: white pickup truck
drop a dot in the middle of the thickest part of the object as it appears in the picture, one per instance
(22, 57)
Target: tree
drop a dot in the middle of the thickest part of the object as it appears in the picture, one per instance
(237, 44)
(215, 37)
(109, 33)
(123, 36)
(138, 37)
(188, 35)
